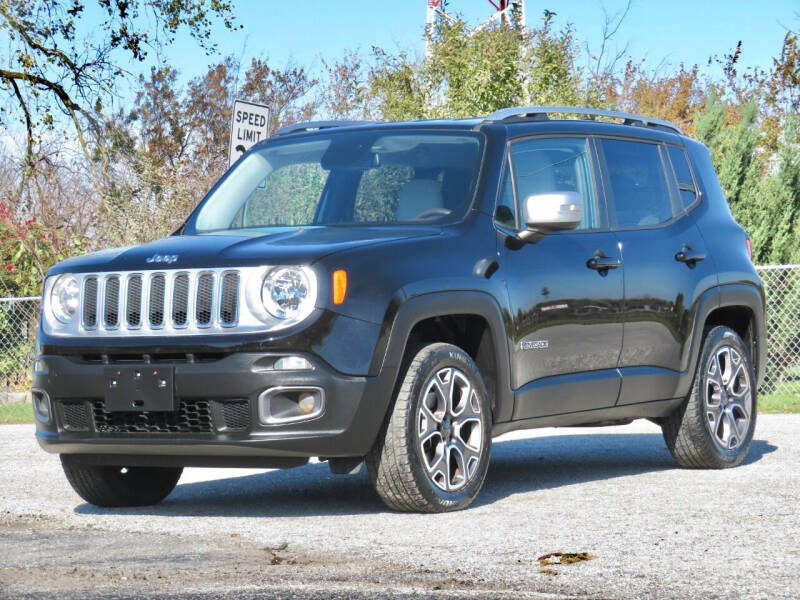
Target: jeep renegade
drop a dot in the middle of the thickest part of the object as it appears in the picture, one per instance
(400, 293)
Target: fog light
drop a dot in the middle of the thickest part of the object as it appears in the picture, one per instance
(41, 406)
(287, 404)
(306, 402)
(293, 363)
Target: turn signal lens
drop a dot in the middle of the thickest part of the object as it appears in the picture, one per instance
(339, 286)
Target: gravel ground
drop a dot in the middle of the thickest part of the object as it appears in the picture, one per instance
(655, 531)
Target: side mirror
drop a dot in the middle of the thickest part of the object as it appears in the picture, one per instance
(545, 213)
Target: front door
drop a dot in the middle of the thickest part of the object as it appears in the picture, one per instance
(565, 290)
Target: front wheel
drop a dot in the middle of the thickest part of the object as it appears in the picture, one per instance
(713, 428)
(119, 486)
(433, 452)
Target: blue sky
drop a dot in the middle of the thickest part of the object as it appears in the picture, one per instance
(306, 31)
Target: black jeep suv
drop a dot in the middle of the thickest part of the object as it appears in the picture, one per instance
(400, 293)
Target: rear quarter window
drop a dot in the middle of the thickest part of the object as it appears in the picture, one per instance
(683, 175)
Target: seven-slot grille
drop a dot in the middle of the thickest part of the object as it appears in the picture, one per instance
(178, 300)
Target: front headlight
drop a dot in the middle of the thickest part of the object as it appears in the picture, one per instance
(64, 298)
(289, 292)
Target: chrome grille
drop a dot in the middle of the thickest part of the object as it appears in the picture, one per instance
(111, 303)
(205, 298)
(158, 286)
(169, 302)
(180, 300)
(90, 303)
(138, 303)
(134, 301)
(229, 299)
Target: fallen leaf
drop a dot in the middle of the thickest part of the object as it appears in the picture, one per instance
(564, 558)
(568, 558)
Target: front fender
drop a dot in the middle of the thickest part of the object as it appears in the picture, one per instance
(404, 314)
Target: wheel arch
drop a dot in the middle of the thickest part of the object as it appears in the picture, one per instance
(471, 320)
(737, 306)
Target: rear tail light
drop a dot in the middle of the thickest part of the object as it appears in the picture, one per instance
(749, 245)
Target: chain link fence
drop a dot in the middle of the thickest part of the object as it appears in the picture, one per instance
(782, 284)
(19, 318)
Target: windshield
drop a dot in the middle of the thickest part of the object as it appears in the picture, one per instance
(356, 177)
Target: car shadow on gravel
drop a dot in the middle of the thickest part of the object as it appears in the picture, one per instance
(560, 460)
(517, 466)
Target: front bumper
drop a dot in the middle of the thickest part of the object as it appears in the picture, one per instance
(204, 432)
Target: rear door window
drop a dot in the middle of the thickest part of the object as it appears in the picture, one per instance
(637, 183)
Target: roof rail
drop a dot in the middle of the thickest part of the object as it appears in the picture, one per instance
(541, 112)
(316, 125)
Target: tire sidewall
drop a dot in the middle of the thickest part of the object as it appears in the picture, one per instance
(441, 357)
(715, 339)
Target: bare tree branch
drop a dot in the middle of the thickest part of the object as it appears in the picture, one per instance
(28, 125)
(611, 26)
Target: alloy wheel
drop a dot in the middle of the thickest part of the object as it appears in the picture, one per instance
(728, 398)
(450, 429)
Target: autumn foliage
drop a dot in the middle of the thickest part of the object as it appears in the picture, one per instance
(141, 169)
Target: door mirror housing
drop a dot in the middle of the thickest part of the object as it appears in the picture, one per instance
(556, 211)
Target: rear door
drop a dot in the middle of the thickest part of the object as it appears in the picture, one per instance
(652, 210)
(565, 322)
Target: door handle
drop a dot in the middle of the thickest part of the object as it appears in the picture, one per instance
(601, 263)
(689, 256)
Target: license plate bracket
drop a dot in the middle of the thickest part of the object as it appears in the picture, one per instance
(140, 388)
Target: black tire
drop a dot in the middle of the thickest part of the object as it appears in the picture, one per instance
(119, 486)
(688, 431)
(397, 465)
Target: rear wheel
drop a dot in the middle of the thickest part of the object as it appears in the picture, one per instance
(714, 426)
(119, 486)
(433, 452)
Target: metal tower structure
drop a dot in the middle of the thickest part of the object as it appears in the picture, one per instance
(508, 12)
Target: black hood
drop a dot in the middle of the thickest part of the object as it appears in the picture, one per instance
(241, 248)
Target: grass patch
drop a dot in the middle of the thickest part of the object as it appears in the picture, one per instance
(16, 412)
(784, 399)
(779, 403)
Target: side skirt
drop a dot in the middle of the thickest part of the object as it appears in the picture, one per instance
(642, 410)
